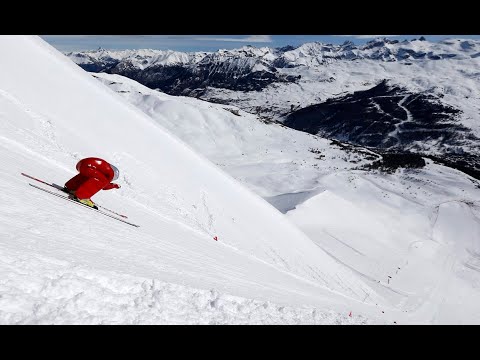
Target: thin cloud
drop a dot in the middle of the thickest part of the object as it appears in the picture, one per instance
(251, 38)
(367, 36)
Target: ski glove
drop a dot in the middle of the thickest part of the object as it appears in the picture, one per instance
(111, 186)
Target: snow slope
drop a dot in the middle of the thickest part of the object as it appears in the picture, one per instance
(415, 232)
(266, 158)
(64, 264)
(412, 235)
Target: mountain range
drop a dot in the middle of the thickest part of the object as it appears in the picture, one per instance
(394, 96)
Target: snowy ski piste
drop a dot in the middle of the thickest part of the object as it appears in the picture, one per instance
(63, 264)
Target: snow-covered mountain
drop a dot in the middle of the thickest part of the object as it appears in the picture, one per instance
(353, 245)
(250, 58)
(249, 68)
(406, 87)
(102, 59)
(390, 117)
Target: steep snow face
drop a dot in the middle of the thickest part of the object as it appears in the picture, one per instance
(412, 234)
(52, 115)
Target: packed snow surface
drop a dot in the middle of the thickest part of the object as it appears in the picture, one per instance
(61, 263)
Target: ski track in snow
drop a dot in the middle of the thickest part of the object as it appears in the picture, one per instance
(408, 118)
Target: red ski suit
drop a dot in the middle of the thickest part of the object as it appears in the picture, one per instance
(94, 175)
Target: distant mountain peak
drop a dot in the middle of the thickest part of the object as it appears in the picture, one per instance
(252, 68)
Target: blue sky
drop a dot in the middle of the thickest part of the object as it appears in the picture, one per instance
(211, 42)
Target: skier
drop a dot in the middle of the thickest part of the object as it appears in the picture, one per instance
(94, 175)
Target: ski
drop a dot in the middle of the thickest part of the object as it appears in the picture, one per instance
(60, 189)
(86, 206)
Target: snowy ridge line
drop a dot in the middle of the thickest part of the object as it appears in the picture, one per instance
(88, 207)
(307, 54)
